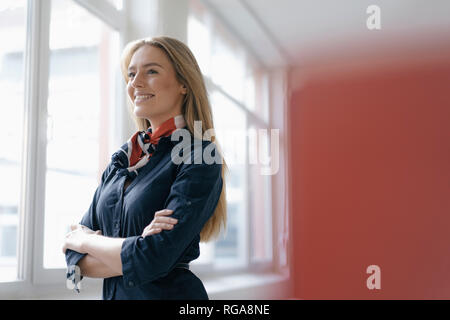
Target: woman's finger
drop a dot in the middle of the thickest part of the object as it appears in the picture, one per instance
(146, 229)
(163, 226)
(85, 229)
(156, 228)
(163, 212)
(160, 222)
(159, 226)
(165, 220)
(150, 232)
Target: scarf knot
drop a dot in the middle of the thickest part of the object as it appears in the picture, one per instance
(137, 151)
(119, 159)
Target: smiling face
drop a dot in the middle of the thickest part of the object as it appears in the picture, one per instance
(153, 87)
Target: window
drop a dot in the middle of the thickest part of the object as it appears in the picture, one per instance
(12, 37)
(238, 90)
(81, 91)
(58, 74)
(230, 122)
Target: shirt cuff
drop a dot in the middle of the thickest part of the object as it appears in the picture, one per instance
(128, 270)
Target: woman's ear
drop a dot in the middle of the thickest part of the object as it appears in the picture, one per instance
(183, 89)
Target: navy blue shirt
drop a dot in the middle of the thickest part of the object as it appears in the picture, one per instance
(191, 190)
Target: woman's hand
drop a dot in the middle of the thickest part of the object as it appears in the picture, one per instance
(160, 222)
(76, 238)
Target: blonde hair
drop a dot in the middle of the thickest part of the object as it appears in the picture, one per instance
(196, 107)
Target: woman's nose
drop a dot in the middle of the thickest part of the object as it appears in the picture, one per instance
(136, 82)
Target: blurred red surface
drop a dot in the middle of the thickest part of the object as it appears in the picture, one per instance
(370, 177)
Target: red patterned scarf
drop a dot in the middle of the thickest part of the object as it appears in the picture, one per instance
(137, 151)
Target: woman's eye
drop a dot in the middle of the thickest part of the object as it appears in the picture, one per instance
(151, 71)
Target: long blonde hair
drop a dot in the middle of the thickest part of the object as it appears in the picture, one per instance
(196, 107)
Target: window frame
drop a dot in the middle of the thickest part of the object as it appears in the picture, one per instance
(251, 118)
(30, 243)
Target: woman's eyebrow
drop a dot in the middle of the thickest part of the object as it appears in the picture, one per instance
(146, 65)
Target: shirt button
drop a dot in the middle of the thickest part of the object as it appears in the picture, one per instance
(188, 203)
(131, 283)
(116, 225)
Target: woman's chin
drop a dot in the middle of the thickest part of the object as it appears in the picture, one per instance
(140, 112)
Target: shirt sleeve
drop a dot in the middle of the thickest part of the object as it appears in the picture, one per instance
(89, 220)
(193, 198)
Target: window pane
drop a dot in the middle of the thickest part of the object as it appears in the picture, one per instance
(225, 62)
(83, 61)
(12, 40)
(227, 66)
(230, 122)
(260, 195)
(200, 44)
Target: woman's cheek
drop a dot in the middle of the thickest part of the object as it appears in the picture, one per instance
(130, 92)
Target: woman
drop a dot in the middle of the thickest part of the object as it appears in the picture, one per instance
(149, 212)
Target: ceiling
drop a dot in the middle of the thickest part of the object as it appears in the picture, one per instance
(291, 32)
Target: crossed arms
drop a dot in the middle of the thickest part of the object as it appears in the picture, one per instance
(103, 253)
